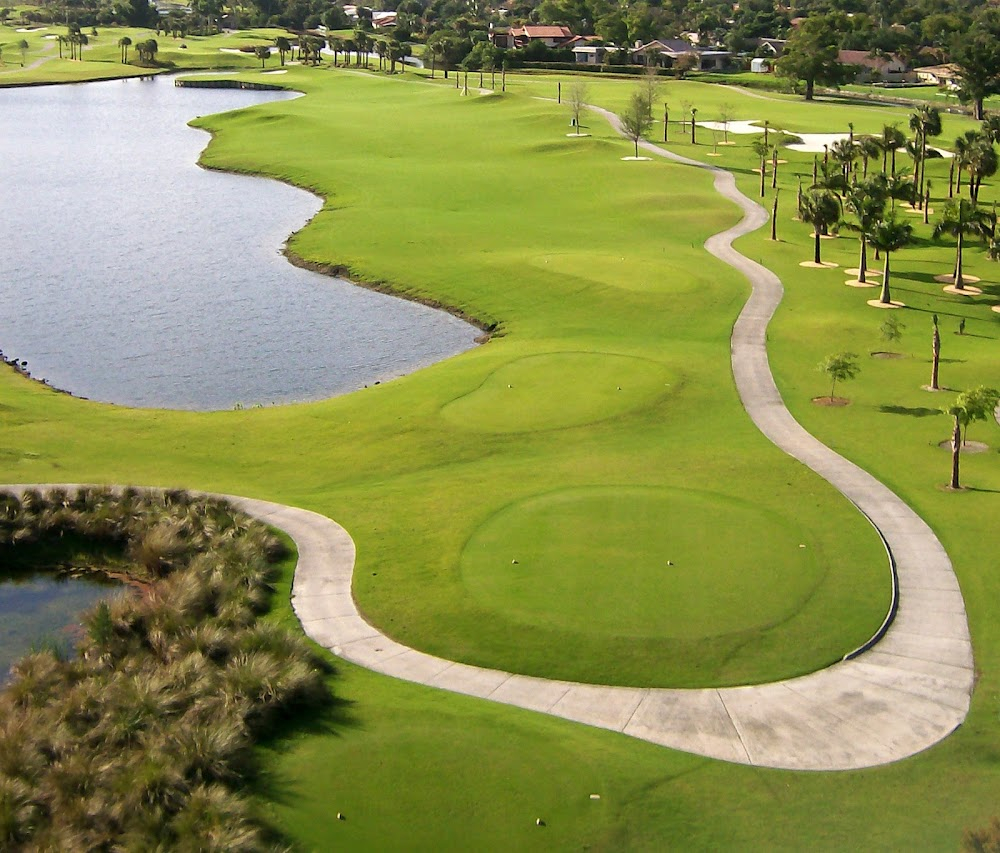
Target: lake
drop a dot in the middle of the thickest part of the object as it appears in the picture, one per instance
(130, 275)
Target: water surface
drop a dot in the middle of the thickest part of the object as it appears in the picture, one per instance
(130, 275)
(43, 609)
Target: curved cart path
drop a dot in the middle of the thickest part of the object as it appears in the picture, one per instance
(907, 690)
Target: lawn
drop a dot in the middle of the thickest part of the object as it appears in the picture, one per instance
(102, 54)
(526, 450)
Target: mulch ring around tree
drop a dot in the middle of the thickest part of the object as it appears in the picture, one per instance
(831, 401)
(883, 354)
(967, 447)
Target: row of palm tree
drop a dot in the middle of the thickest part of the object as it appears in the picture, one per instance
(145, 738)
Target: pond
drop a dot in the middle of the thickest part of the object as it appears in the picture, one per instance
(43, 609)
(130, 275)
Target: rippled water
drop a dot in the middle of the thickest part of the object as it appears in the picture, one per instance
(130, 275)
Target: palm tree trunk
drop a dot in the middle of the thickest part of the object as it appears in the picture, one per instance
(816, 258)
(956, 451)
(935, 358)
(762, 161)
(885, 298)
(863, 262)
(951, 179)
(959, 283)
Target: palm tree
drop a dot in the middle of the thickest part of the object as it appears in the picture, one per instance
(284, 46)
(892, 140)
(924, 122)
(821, 209)
(870, 149)
(889, 235)
(845, 153)
(262, 52)
(980, 160)
(866, 202)
(363, 42)
(958, 220)
(124, 43)
(761, 149)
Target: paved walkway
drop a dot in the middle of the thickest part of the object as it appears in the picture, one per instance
(907, 691)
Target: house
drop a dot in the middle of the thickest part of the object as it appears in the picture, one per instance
(769, 48)
(946, 76)
(550, 36)
(592, 54)
(381, 20)
(669, 51)
(876, 68)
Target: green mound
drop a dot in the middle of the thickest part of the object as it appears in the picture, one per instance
(641, 562)
(559, 390)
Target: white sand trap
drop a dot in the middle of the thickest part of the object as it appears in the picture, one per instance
(812, 143)
(732, 127)
(31, 30)
(277, 71)
(51, 38)
(570, 135)
(636, 159)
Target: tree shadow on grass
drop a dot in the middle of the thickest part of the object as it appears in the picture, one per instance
(912, 411)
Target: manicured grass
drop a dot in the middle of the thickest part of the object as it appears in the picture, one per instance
(578, 329)
(484, 204)
(102, 55)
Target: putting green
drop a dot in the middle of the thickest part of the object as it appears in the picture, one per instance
(557, 390)
(640, 562)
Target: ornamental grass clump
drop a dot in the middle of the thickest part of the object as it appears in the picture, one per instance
(144, 739)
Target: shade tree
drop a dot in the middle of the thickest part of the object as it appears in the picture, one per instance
(636, 119)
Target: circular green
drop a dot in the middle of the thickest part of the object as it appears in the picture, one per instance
(641, 562)
(557, 390)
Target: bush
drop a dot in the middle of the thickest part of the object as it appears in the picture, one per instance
(145, 739)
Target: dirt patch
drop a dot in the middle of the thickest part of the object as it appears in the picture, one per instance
(882, 354)
(822, 265)
(967, 447)
(831, 401)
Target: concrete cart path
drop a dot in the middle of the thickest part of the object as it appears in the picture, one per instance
(903, 692)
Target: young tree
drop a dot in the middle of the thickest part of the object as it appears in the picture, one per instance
(980, 404)
(957, 221)
(888, 236)
(811, 53)
(636, 118)
(576, 98)
(976, 404)
(725, 116)
(22, 46)
(840, 367)
(891, 329)
(821, 209)
(124, 43)
(262, 52)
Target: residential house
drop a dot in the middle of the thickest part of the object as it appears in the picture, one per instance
(510, 37)
(769, 48)
(669, 51)
(876, 68)
(946, 76)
